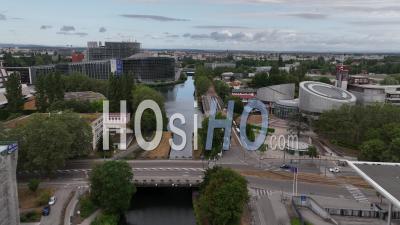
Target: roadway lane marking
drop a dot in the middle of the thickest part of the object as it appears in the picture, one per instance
(356, 193)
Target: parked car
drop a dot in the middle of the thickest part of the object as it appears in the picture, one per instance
(334, 170)
(285, 166)
(46, 211)
(52, 200)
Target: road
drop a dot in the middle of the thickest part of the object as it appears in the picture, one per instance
(62, 194)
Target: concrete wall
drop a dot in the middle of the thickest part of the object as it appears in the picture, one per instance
(369, 96)
(276, 92)
(9, 209)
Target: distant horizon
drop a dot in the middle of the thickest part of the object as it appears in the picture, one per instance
(253, 25)
(24, 45)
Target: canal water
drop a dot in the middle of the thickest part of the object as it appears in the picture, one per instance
(169, 206)
(161, 206)
(181, 99)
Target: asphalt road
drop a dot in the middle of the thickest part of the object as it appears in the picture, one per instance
(62, 194)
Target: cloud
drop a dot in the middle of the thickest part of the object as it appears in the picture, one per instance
(309, 16)
(220, 27)
(80, 34)
(3, 17)
(374, 23)
(67, 28)
(152, 17)
(102, 29)
(45, 27)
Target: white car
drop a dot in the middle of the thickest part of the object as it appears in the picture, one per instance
(334, 170)
(52, 200)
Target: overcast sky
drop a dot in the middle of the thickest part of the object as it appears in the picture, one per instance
(280, 25)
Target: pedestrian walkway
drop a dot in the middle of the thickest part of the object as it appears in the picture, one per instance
(259, 192)
(357, 193)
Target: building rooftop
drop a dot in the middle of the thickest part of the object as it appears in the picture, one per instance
(383, 177)
(327, 91)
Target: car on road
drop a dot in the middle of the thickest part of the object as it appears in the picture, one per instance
(285, 166)
(52, 200)
(334, 170)
(46, 210)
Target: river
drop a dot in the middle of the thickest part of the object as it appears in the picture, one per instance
(164, 206)
(180, 99)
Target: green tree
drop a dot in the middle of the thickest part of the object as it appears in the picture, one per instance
(41, 96)
(114, 93)
(297, 123)
(238, 107)
(325, 80)
(222, 197)
(44, 144)
(14, 93)
(111, 186)
(33, 184)
(202, 84)
(389, 81)
(372, 150)
(217, 141)
(106, 219)
(312, 152)
(222, 89)
(148, 120)
(80, 132)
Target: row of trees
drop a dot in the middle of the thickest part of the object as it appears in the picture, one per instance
(46, 141)
(223, 196)
(374, 129)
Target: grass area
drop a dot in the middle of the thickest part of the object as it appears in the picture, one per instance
(34, 200)
(30, 216)
(296, 221)
(106, 219)
(163, 149)
(86, 206)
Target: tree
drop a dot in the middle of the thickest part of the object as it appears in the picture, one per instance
(202, 84)
(312, 152)
(44, 144)
(41, 96)
(222, 89)
(33, 184)
(223, 196)
(115, 93)
(80, 132)
(217, 141)
(111, 186)
(148, 120)
(239, 106)
(14, 93)
(372, 150)
(324, 80)
(297, 123)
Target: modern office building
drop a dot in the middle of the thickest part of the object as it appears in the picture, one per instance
(150, 68)
(316, 97)
(111, 50)
(100, 69)
(9, 210)
(369, 93)
(274, 93)
(284, 108)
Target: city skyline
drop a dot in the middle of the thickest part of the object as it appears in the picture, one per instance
(271, 25)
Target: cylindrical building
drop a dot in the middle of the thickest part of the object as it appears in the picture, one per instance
(316, 97)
